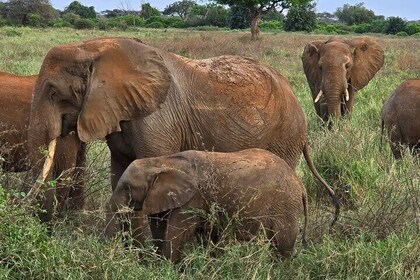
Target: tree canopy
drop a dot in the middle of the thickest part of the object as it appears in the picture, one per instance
(25, 12)
(83, 11)
(356, 14)
(257, 8)
(148, 11)
(179, 8)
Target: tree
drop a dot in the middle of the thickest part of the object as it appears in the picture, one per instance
(301, 17)
(179, 8)
(196, 15)
(20, 11)
(257, 8)
(356, 14)
(83, 11)
(395, 25)
(148, 11)
(216, 15)
(326, 17)
(239, 17)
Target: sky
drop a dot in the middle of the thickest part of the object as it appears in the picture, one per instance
(408, 9)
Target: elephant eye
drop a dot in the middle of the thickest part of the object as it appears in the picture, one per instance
(348, 64)
(320, 66)
(127, 188)
(53, 94)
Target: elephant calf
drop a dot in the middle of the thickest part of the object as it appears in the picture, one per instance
(254, 184)
(401, 117)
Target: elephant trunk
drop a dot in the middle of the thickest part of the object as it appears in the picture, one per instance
(334, 102)
(112, 224)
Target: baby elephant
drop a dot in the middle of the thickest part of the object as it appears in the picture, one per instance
(401, 117)
(254, 185)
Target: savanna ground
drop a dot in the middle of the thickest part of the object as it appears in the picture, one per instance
(377, 237)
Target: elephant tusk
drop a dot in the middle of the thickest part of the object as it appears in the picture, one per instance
(45, 170)
(346, 94)
(319, 95)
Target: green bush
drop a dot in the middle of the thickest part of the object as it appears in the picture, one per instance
(362, 28)
(155, 19)
(412, 28)
(133, 20)
(175, 22)
(70, 17)
(84, 23)
(333, 29)
(155, 24)
(59, 23)
(270, 25)
(34, 20)
(102, 23)
(402, 34)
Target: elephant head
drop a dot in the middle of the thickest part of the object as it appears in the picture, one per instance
(89, 88)
(152, 186)
(338, 68)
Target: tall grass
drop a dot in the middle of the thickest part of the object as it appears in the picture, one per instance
(377, 237)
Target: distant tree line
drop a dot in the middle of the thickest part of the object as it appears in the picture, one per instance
(233, 14)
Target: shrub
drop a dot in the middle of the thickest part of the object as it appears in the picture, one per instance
(270, 25)
(155, 19)
(395, 25)
(70, 18)
(102, 23)
(412, 28)
(402, 34)
(176, 22)
(155, 24)
(34, 20)
(84, 23)
(362, 28)
(59, 23)
(133, 20)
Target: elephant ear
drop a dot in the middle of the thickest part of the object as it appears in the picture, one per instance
(127, 80)
(310, 58)
(368, 59)
(171, 188)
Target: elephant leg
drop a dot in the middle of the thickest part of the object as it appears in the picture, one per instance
(137, 229)
(180, 229)
(283, 238)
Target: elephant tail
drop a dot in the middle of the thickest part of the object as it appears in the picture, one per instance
(325, 184)
(306, 214)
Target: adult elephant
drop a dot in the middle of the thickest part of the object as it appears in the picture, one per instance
(15, 102)
(336, 69)
(401, 118)
(147, 102)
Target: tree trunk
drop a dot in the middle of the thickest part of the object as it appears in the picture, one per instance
(255, 15)
(255, 30)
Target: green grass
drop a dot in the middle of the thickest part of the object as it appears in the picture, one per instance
(377, 237)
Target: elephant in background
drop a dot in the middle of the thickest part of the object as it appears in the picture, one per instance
(15, 102)
(336, 69)
(401, 117)
(254, 185)
(147, 102)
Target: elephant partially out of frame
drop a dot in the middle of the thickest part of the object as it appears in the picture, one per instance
(254, 185)
(336, 69)
(15, 102)
(401, 118)
(147, 102)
